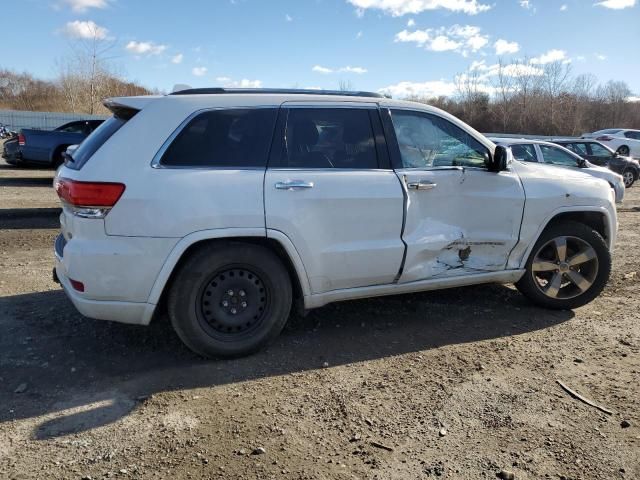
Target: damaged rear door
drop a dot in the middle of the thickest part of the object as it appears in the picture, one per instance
(460, 219)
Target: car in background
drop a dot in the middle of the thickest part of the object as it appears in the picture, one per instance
(47, 147)
(601, 155)
(537, 151)
(624, 141)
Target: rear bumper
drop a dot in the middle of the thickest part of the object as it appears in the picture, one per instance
(137, 313)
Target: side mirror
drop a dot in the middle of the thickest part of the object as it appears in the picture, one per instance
(582, 163)
(498, 161)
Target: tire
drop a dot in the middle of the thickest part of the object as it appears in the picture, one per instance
(623, 150)
(539, 282)
(230, 300)
(58, 157)
(628, 178)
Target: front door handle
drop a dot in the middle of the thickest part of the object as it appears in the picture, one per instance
(421, 185)
(293, 185)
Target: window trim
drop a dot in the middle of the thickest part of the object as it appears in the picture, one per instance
(155, 161)
(394, 146)
(275, 161)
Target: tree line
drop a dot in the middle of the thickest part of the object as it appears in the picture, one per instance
(539, 100)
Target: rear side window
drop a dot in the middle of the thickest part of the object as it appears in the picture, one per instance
(223, 138)
(579, 148)
(329, 138)
(93, 142)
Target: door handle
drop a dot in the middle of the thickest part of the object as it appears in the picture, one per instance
(293, 185)
(421, 185)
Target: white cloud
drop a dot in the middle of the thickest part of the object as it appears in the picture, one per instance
(551, 56)
(581, 58)
(402, 7)
(616, 4)
(177, 58)
(526, 4)
(81, 6)
(458, 38)
(435, 88)
(503, 46)
(244, 83)
(321, 69)
(145, 48)
(511, 70)
(85, 29)
(288, 18)
(564, 8)
(633, 99)
(199, 71)
(347, 69)
(411, 23)
(600, 56)
(359, 34)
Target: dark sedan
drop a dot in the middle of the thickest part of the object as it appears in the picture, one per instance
(603, 156)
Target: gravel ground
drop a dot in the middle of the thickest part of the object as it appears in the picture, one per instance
(454, 384)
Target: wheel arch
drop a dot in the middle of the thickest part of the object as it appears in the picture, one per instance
(55, 151)
(597, 218)
(277, 242)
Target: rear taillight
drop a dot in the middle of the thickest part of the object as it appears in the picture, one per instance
(21, 140)
(79, 286)
(604, 138)
(88, 199)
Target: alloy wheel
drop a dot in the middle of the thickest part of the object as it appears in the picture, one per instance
(627, 176)
(565, 267)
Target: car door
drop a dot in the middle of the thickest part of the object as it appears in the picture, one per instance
(601, 156)
(330, 188)
(461, 219)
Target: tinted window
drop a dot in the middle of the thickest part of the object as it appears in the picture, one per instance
(93, 142)
(634, 135)
(73, 127)
(558, 157)
(427, 141)
(579, 148)
(224, 138)
(329, 138)
(599, 151)
(524, 153)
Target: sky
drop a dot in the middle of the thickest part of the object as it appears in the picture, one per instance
(401, 47)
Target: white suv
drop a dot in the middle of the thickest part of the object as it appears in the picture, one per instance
(230, 206)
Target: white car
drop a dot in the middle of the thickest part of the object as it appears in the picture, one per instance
(230, 207)
(538, 151)
(624, 141)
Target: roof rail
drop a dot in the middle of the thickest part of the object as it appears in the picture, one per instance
(275, 91)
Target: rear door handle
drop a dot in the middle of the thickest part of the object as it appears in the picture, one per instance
(293, 185)
(421, 185)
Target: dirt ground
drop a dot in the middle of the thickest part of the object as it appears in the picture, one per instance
(455, 384)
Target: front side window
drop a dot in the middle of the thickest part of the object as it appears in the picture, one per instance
(524, 153)
(329, 138)
(238, 138)
(599, 151)
(428, 141)
(558, 157)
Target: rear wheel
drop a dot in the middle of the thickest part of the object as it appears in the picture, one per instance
(58, 157)
(623, 150)
(628, 177)
(230, 300)
(568, 267)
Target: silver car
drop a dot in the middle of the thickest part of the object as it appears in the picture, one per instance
(526, 150)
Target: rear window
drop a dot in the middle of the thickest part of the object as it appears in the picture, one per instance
(238, 138)
(93, 142)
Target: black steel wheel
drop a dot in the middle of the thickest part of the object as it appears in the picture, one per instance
(230, 300)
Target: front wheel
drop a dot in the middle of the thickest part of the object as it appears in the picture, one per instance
(628, 177)
(230, 300)
(623, 150)
(568, 267)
